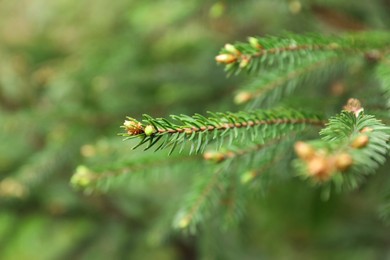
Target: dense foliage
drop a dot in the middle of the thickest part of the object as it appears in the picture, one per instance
(71, 72)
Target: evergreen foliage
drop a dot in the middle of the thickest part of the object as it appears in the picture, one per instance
(199, 130)
(352, 145)
(294, 166)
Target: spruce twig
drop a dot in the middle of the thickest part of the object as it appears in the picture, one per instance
(200, 131)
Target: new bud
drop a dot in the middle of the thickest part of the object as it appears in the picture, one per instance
(366, 130)
(304, 150)
(343, 162)
(230, 48)
(354, 106)
(225, 58)
(360, 141)
(149, 130)
(214, 156)
(254, 43)
(244, 62)
(242, 97)
(319, 168)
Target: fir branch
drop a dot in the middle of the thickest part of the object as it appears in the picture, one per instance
(199, 131)
(225, 187)
(237, 152)
(291, 48)
(273, 85)
(233, 203)
(250, 175)
(204, 195)
(91, 178)
(352, 145)
(40, 167)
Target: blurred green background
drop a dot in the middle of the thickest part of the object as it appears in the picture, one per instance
(70, 71)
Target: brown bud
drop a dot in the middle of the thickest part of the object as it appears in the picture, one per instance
(225, 58)
(360, 141)
(353, 105)
(133, 127)
(304, 150)
(188, 131)
(319, 167)
(214, 156)
(366, 130)
(242, 97)
(343, 162)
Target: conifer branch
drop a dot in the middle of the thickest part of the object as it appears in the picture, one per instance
(200, 131)
(233, 205)
(251, 175)
(291, 48)
(273, 85)
(234, 153)
(223, 189)
(86, 177)
(352, 145)
(204, 195)
(38, 168)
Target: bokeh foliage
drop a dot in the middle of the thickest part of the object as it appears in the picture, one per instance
(70, 71)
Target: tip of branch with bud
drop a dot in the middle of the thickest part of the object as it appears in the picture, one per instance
(254, 43)
(354, 106)
(231, 54)
(133, 127)
(225, 58)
